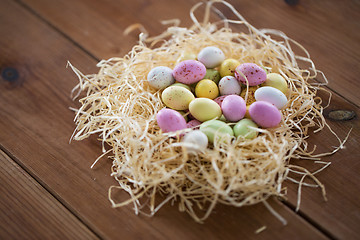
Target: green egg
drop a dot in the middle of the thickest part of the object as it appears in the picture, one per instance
(177, 98)
(275, 80)
(204, 109)
(222, 118)
(184, 114)
(213, 75)
(241, 129)
(215, 129)
(181, 85)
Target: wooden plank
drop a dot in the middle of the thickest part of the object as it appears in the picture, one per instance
(327, 29)
(28, 211)
(320, 26)
(340, 215)
(36, 125)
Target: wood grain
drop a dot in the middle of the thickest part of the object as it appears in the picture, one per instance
(28, 211)
(36, 126)
(325, 28)
(328, 29)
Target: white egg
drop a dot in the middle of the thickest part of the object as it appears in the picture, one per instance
(160, 77)
(195, 141)
(229, 85)
(271, 95)
(211, 57)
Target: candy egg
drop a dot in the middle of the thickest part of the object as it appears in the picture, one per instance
(215, 129)
(204, 109)
(206, 89)
(220, 99)
(250, 94)
(170, 120)
(265, 114)
(227, 67)
(211, 57)
(243, 129)
(160, 77)
(213, 75)
(233, 108)
(253, 73)
(271, 95)
(181, 85)
(193, 124)
(189, 71)
(195, 141)
(277, 81)
(184, 114)
(229, 85)
(177, 98)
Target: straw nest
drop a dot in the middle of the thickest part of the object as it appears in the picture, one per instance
(154, 168)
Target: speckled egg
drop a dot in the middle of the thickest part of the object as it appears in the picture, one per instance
(251, 94)
(253, 73)
(277, 81)
(271, 95)
(195, 141)
(229, 85)
(220, 99)
(265, 114)
(170, 120)
(227, 67)
(233, 107)
(177, 97)
(213, 75)
(243, 129)
(160, 77)
(215, 129)
(189, 71)
(194, 124)
(206, 89)
(182, 85)
(211, 56)
(204, 109)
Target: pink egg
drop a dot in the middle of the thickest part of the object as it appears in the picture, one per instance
(265, 114)
(233, 108)
(220, 99)
(170, 120)
(193, 124)
(254, 74)
(189, 71)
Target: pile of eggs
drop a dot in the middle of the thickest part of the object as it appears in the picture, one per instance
(207, 94)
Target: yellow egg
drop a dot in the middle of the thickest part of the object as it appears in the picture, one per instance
(204, 109)
(275, 80)
(227, 67)
(177, 98)
(206, 89)
(251, 94)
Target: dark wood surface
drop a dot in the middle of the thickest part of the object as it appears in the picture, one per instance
(47, 188)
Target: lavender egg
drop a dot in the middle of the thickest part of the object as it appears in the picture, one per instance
(253, 73)
(189, 71)
(170, 120)
(265, 114)
(233, 108)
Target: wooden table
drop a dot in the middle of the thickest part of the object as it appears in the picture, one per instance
(48, 190)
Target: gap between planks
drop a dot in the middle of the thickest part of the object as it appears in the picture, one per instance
(50, 218)
(32, 11)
